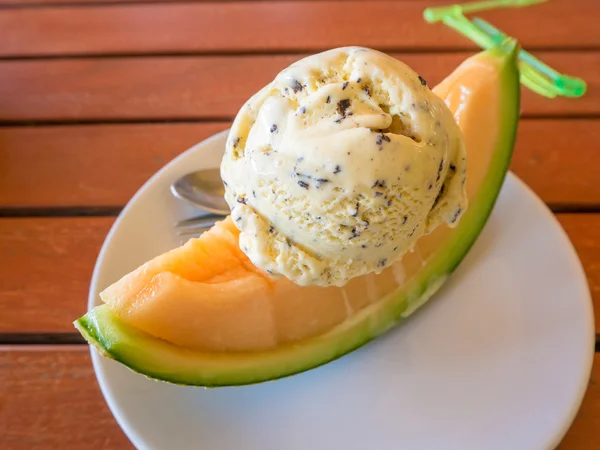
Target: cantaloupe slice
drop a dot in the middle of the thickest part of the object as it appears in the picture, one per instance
(203, 315)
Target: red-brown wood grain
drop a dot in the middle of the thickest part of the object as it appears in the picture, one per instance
(47, 266)
(212, 87)
(50, 400)
(51, 262)
(584, 232)
(103, 165)
(88, 165)
(559, 160)
(276, 26)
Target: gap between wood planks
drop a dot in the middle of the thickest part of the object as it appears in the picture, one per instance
(19, 340)
(113, 211)
(225, 120)
(68, 211)
(283, 51)
(195, 120)
(29, 339)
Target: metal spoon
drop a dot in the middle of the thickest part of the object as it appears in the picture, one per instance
(203, 189)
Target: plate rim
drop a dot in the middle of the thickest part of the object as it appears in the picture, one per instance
(587, 302)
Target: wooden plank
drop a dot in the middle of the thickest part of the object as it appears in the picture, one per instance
(50, 400)
(267, 26)
(162, 88)
(559, 160)
(584, 232)
(72, 166)
(48, 264)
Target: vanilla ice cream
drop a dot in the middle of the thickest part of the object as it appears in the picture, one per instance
(338, 166)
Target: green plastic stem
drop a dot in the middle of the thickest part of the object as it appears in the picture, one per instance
(534, 74)
(438, 14)
(565, 85)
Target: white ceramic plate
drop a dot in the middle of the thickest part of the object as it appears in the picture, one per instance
(499, 359)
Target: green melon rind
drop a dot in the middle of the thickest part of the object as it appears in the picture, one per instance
(161, 360)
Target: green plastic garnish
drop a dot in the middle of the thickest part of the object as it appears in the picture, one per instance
(534, 74)
(438, 14)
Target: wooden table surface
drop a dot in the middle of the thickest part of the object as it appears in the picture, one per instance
(96, 95)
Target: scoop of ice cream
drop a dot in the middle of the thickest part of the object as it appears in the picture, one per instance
(338, 166)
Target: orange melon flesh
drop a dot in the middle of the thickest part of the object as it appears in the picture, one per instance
(169, 306)
(195, 261)
(207, 296)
